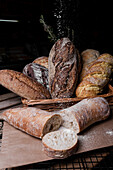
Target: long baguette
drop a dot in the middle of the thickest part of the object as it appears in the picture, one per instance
(83, 114)
(33, 121)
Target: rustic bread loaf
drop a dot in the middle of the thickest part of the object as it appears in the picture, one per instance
(33, 121)
(38, 73)
(88, 56)
(62, 69)
(23, 85)
(60, 144)
(97, 77)
(85, 113)
(43, 61)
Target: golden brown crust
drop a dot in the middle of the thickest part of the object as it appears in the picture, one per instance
(88, 57)
(106, 58)
(102, 68)
(97, 76)
(43, 61)
(23, 85)
(87, 89)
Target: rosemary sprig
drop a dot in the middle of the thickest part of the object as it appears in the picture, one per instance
(48, 29)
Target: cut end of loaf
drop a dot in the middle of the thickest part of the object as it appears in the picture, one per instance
(52, 124)
(69, 120)
(60, 144)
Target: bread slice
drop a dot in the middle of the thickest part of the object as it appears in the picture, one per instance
(60, 144)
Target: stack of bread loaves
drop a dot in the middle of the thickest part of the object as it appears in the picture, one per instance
(57, 76)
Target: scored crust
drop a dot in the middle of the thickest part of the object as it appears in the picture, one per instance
(96, 77)
(23, 85)
(87, 89)
(62, 69)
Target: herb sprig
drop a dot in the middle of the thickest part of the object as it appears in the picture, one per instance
(48, 29)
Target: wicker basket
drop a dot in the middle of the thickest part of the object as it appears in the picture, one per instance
(56, 104)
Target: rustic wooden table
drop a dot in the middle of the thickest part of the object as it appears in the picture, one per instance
(97, 159)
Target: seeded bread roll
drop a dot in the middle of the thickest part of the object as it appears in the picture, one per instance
(23, 85)
(43, 61)
(85, 113)
(60, 144)
(38, 73)
(62, 69)
(88, 56)
(33, 121)
(97, 77)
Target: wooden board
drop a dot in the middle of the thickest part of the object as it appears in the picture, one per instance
(9, 100)
(20, 149)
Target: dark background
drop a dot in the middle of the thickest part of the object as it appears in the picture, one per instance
(22, 42)
(92, 22)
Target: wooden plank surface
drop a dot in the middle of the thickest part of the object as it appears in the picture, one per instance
(9, 100)
(7, 96)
